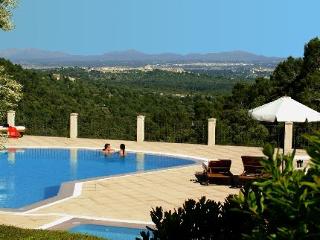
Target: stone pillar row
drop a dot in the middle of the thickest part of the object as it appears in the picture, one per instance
(140, 127)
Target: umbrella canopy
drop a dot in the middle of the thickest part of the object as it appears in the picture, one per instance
(284, 109)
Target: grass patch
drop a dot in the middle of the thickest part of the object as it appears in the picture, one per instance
(13, 233)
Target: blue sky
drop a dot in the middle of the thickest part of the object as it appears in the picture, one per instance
(268, 27)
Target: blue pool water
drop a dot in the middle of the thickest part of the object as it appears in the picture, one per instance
(112, 233)
(31, 175)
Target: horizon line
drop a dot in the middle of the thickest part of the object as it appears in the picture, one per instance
(144, 52)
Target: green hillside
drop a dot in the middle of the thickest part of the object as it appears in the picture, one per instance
(156, 80)
(109, 103)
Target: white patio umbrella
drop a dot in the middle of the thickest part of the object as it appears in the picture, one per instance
(285, 109)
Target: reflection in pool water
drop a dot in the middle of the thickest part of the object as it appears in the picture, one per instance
(31, 175)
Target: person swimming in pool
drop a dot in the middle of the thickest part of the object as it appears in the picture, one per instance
(107, 149)
(122, 151)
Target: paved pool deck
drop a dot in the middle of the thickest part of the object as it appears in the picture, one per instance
(128, 198)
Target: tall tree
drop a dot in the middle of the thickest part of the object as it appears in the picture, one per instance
(307, 85)
(311, 60)
(6, 7)
(284, 76)
(10, 90)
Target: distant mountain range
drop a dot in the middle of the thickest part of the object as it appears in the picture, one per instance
(130, 57)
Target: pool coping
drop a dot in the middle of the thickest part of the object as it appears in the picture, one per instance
(67, 224)
(73, 189)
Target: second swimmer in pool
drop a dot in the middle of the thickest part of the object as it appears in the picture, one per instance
(122, 151)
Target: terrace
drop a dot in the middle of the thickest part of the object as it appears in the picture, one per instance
(126, 199)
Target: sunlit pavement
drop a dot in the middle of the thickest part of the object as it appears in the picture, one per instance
(130, 198)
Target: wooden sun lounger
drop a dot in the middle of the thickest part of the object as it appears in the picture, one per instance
(217, 172)
(253, 169)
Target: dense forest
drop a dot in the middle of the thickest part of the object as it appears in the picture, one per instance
(176, 105)
(160, 81)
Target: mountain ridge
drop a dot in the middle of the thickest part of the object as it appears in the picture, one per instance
(39, 56)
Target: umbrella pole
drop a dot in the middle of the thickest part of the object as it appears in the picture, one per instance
(288, 135)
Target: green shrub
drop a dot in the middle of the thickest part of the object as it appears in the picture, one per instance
(287, 204)
(203, 219)
(284, 206)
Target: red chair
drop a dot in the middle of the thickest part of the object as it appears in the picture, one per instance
(13, 132)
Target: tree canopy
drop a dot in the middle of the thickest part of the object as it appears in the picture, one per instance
(10, 90)
(6, 7)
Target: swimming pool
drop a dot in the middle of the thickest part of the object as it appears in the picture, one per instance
(112, 233)
(28, 176)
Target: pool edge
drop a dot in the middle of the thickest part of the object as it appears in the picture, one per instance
(73, 189)
(76, 221)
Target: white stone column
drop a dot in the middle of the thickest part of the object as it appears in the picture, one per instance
(212, 131)
(140, 128)
(11, 115)
(73, 125)
(288, 133)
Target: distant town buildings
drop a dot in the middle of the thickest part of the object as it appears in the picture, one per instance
(146, 68)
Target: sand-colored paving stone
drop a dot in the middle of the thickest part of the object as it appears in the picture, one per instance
(131, 197)
(26, 221)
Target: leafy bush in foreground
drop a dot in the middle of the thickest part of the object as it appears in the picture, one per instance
(284, 206)
(205, 219)
(12, 233)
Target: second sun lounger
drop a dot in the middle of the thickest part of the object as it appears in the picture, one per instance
(253, 169)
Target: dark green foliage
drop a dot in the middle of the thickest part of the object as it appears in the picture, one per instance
(157, 81)
(203, 219)
(283, 206)
(286, 206)
(311, 61)
(235, 220)
(284, 76)
(11, 233)
(109, 111)
(298, 78)
(237, 127)
(194, 219)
